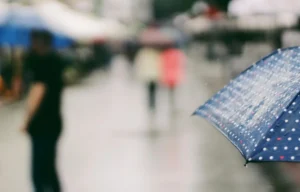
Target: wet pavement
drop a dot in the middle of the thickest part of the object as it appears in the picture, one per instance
(111, 144)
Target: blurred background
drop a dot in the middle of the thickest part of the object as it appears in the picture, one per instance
(136, 71)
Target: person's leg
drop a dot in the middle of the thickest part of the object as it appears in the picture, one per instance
(53, 179)
(172, 96)
(38, 165)
(149, 95)
(152, 95)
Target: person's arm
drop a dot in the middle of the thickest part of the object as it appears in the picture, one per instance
(36, 93)
(35, 97)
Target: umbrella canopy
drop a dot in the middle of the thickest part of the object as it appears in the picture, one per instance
(176, 35)
(259, 111)
(113, 30)
(60, 17)
(17, 23)
(82, 27)
(154, 36)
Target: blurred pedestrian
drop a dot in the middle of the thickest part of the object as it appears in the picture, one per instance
(147, 64)
(43, 120)
(172, 69)
(17, 76)
(7, 76)
(2, 63)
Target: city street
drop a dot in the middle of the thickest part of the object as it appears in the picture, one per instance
(110, 143)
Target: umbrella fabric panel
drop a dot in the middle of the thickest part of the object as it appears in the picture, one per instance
(14, 36)
(18, 36)
(78, 26)
(154, 36)
(19, 21)
(26, 17)
(248, 106)
(282, 141)
(60, 41)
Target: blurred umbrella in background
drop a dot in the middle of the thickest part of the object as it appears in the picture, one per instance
(17, 23)
(174, 34)
(259, 110)
(154, 36)
(82, 27)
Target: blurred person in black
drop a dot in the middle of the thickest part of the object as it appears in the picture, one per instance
(43, 120)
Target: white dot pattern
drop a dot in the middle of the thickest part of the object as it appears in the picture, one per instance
(259, 111)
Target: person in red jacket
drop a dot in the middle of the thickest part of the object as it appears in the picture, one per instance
(172, 68)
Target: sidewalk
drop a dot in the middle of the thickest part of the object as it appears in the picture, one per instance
(105, 146)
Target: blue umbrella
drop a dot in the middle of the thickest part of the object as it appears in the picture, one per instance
(15, 31)
(259, 111)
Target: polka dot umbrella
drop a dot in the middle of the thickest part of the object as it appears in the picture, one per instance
(259, 111)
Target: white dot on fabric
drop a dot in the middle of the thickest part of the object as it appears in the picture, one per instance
(289, 139)
(260, 158)
(294, 103)
(271, 157)
(268, 139)
(272, 130)
(275, 148)
(264, 137)
(286, 148)
(292, 157)
(286, 120)
(290, 112)
(297, 121)
(282, 130)
(284, 110)
(296, 148)
(250, 159)
(265, 149)
(293, 129)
